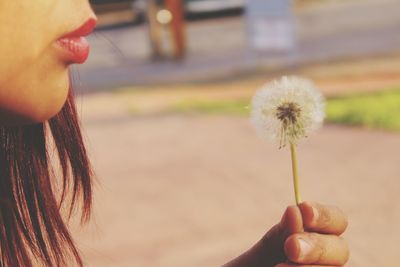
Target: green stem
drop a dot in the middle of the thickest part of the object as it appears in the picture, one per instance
(295, 173)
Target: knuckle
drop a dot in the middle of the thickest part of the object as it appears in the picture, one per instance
(325, 219)
(331, 220)
(320, 248)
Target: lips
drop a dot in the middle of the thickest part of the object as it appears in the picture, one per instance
(74, 44)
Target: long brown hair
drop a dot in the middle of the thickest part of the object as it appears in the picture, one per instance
(32, 228)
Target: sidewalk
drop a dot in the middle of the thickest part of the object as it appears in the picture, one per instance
(195, 191)
(218, 49)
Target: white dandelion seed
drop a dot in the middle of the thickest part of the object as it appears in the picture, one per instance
(287, 110)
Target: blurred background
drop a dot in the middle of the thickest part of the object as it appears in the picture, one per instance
(182, 179)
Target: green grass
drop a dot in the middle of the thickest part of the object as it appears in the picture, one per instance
(377, 110)
(374, 110)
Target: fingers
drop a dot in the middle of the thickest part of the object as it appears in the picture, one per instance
(323, 219)
(312, 248)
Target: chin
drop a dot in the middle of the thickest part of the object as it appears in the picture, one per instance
(51, 106)
(35, 97)
(35, 109)
(40, 116)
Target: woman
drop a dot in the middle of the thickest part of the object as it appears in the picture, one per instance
(38, 122)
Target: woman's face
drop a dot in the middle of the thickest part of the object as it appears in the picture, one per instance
(34, 55)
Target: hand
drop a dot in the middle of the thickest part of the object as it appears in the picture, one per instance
(307, 235)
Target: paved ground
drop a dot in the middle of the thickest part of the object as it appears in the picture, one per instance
(218, 48)
(181, 190)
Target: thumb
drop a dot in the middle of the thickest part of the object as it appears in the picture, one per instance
(291, 222)
(273, 242)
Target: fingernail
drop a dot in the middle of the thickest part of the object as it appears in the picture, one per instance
(305, 249)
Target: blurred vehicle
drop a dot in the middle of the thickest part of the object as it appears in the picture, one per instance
(193, 7)
(101, 6)
(117, 12)
(212, 6)
(134, 10)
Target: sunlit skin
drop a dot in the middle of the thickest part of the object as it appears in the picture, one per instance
(317, 225)
(34, 80)
(34, 83)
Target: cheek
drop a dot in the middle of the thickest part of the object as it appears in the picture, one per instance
(33, 83)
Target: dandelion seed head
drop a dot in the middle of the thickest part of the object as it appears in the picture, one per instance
(287, 109)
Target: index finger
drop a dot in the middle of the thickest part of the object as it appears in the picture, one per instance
(323, 219)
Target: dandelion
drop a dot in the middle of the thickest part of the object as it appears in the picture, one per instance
(285, 111)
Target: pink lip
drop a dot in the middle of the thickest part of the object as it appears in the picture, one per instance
(75, 45)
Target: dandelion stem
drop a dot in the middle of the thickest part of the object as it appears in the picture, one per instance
(295, 173)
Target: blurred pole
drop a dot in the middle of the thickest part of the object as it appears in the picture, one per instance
(154, 29)
(177, 27)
